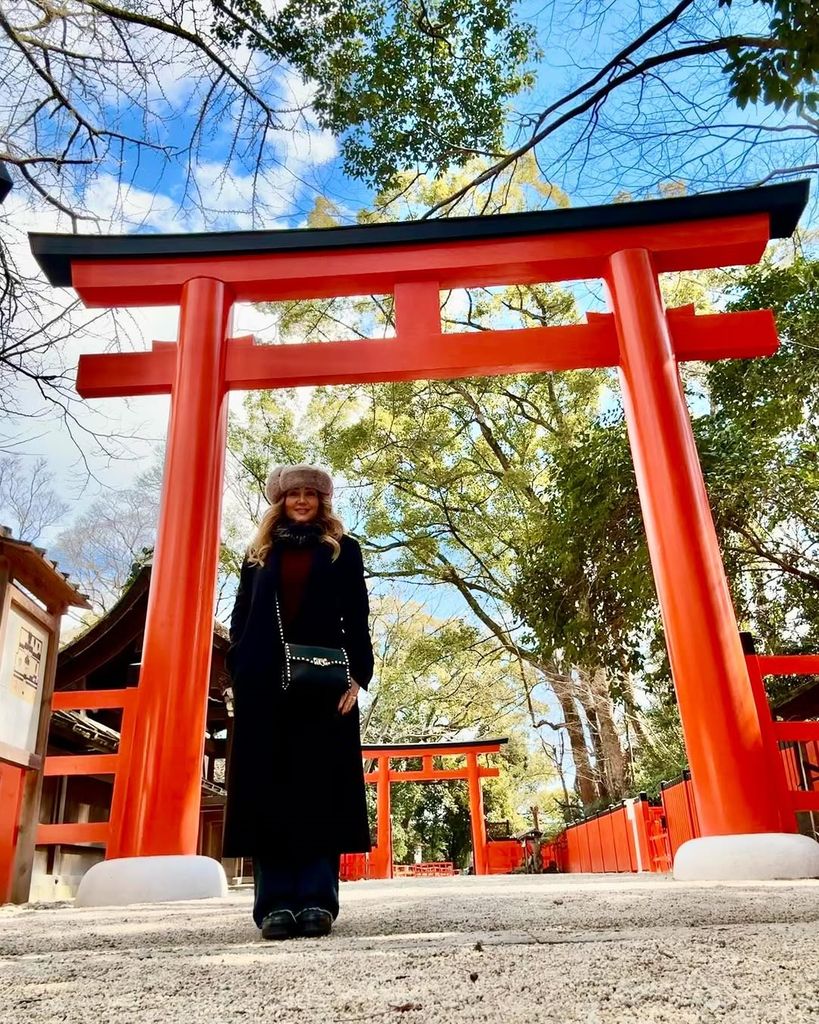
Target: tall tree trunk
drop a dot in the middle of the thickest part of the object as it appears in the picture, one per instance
(584, 774)
(556, 757)
(585, 699)
(632, 709)
(614, 761)
(636, 736)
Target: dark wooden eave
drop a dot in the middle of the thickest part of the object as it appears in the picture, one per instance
(124, 624)
(783, 203)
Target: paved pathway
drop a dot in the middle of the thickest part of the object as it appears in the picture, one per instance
(512, 949)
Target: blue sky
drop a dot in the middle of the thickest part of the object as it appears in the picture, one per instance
(674, 126)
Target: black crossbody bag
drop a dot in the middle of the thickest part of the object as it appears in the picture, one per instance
(307, 669)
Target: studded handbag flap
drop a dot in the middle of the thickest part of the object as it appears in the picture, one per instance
(307, 667)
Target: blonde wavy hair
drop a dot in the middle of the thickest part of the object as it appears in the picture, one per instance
(332, 529)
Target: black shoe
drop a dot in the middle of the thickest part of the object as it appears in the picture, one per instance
(281, 924)
(313, 922)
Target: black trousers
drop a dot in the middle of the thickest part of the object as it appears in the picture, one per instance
(294, 882)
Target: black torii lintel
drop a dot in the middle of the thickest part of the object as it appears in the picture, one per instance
(783, 203)
(5, 182)
(417, 749)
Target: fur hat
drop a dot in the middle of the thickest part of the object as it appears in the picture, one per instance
(284, 478)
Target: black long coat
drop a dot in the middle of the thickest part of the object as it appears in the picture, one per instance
(295, 779)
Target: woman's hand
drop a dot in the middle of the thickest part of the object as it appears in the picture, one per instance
(347, 702)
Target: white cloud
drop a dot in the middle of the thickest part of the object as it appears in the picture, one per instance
(123, 207)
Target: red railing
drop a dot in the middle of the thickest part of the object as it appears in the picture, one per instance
(78, 833)
(553, 854)
(503, 856)
(793, 746)
(430, 869)
(354, 867)
(679, 812)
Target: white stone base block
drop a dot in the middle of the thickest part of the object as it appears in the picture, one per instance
(120, 882)
(748, 858)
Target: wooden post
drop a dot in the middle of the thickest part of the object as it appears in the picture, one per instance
(32, 787)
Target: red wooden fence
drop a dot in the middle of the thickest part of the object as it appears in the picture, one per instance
(504, 856)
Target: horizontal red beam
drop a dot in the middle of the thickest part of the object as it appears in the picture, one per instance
(72, 833)
(439, 356)
(92, 700)
(431, 751)
(796, 732)
(691, 245)
(723, 335)
(441, 775)
(788, 664)
(430, 356)
(804, 801)
(120, 374)
(81, 764)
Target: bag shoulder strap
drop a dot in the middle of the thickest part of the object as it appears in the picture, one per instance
(279, 623)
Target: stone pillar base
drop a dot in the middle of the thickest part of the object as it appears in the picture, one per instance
(126, 880)
(747, 858)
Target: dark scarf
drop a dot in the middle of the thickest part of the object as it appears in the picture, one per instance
(297, 535)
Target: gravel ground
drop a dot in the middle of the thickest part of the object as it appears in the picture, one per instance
(506, 949)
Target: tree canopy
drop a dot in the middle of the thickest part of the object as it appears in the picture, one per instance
(402, 84)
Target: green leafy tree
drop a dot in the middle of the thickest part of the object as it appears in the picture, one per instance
(759, 444)
(781, 68)
(437, 678)
(420, 82)
(755, 423)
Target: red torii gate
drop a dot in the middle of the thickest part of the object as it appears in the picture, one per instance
(628, 245)
(471, 773)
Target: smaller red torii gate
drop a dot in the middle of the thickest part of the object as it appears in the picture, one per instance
(472, 773)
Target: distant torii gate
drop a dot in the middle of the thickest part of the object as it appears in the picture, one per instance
(472, 773)
(628, 245)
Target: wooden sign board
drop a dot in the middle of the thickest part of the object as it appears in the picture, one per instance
(25, 642)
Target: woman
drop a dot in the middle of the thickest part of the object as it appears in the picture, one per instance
(295, 779)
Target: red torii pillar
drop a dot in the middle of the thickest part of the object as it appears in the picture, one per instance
(627, 245)
(166, 757)
(383, 846)
(476, 816)
(702, 637)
